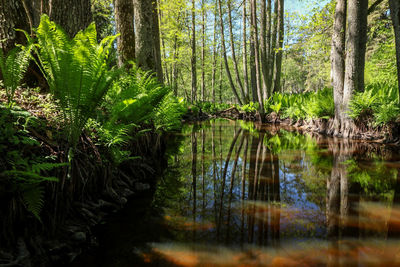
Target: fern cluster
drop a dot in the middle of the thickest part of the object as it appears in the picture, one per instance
(13, 67)
(379, 100)
(309, 105)
(76, 71)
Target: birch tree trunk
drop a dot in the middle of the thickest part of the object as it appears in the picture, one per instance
(263, 48)
(273, 47)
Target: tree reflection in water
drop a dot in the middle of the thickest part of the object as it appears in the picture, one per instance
(273, 195)
(243, 195)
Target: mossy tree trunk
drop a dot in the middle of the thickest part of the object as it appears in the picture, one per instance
(125, 26)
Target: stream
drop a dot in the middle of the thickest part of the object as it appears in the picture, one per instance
(239, 195)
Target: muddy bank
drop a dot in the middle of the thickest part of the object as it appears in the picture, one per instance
(71, 207)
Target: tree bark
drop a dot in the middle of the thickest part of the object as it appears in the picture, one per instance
(148, 55)
(235, 64)
(338, 59)
(263, 48)
(193, 58)
(228, 72)
(256, 57)
(12, 16)
(244, 44)
(278, 60)
(273, 47)
(73, 15)
(203, 50)
(214, 59)
(354, 58)
(124, 23)
(395, 14)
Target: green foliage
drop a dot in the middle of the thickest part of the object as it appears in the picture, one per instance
(13, 67)
(320, 104)
(76, 71)
(310, 105)
(18, 164)
(251, 107)
(380, 100)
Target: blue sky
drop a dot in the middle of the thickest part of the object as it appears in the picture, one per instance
(303, 6)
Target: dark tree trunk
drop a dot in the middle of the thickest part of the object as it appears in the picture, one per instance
(355, 61)
(338, 59)
(73, 15)
(12, 16)
(278, 64)
(124, 14)
(395, 14)
(203, 50)
(148, 55)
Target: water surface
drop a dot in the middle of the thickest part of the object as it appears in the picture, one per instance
(240, 195)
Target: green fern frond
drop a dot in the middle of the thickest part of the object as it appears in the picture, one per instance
(27, 177)
(33, 198)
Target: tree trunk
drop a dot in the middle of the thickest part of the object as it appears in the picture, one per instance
(12, 16)
(263, 48)
(256, 57)
(354, 58)
(235, 64)
(228, 72)
(214, 59)
(278, 64)
(157, 42)
(124, 13)
(148, 55)
(273, 47)
(73, 15)
(244, 44)
(203, 50)
(193, 59)
(338, 59)
(395, 14)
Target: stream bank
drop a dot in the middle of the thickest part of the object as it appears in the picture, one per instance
(72, 206)
(363, 129)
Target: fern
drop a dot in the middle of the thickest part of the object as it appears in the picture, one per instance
(33, 198)
(76, 70)
(13, 67)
